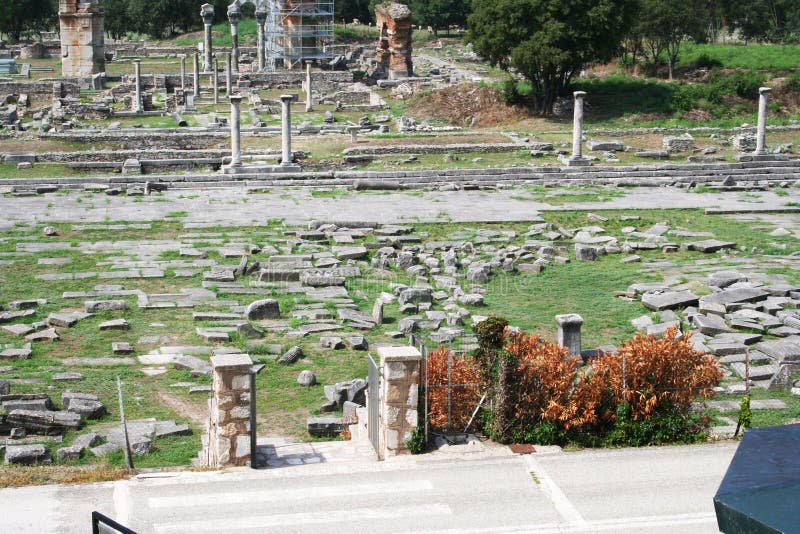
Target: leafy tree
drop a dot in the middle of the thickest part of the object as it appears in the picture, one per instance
(117, 18)
(440, 14)
(548, 41)
(347, 10)
(763, 20)
(18, 17)
(667, 24)
(162, 18)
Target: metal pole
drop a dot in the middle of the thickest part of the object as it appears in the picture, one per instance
(624, 385)
(254, 370)
(425, 415)
(128, 459)
(449, 389)
(253, 433)
(747, 371)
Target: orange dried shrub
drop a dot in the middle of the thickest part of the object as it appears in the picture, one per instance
(542, 383)
(464, 395)
(661, 376)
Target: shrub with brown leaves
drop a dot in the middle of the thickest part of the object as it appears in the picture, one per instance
(661, 376)
(464, 394)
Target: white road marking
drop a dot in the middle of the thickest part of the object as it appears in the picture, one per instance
(562, 504)
(333, 516)
(215, 499)
(601, 525)
(122, 501)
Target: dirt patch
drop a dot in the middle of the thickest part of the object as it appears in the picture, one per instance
(463, 104)
(197, 414)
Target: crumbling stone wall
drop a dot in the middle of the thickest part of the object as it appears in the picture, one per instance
(42, 88)
(82, 45)
(394, 44)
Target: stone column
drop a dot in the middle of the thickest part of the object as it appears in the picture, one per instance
(229, 406)
(398, 398)
(183, 72)
(137, 70)
(234, 16)
(261, 21)
(761, 135)
(196, 73)
(216, 81)
(207, 14)
(228, 75)
(577, 127)
(236, 149)
(569, 332)
(308, 87)
(286, 129)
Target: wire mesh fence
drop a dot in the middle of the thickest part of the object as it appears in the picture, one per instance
(451, 386)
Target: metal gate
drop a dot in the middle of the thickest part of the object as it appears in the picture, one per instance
(373, 404)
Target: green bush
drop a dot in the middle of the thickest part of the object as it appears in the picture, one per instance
(743, 83)
(792, 82)
(416, 442)
(544, 433)
(657, 430)
(705, 61)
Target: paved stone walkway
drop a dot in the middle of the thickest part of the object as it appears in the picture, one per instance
(234, 206)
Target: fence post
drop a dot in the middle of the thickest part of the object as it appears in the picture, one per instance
(399, 397)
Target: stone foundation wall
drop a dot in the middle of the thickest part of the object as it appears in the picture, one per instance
(321, 81)
(41, 88)
(197, 140)
(432, 149)
(121, 155)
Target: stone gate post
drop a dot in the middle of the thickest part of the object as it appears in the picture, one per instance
(399, 395)
(229, 407)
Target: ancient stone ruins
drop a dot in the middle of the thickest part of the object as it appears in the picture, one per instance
(264, 239)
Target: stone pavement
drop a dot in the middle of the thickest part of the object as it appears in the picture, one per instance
(235, 206)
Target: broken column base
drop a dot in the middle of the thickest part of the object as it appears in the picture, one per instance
(762, 157)
(570, 161)
(262, 169)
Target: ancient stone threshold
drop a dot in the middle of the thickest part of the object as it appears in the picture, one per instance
(755, 174)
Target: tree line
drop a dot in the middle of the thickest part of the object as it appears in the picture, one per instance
(648, 22)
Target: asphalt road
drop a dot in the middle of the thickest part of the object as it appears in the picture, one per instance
(652, 490)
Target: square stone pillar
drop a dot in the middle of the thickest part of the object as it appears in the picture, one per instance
(399, 397)
(569, 332)
(229, 406)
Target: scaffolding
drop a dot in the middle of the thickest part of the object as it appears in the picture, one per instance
(298, 31)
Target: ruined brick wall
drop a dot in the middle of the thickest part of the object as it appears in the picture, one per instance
(394, 44)
(82, 44)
